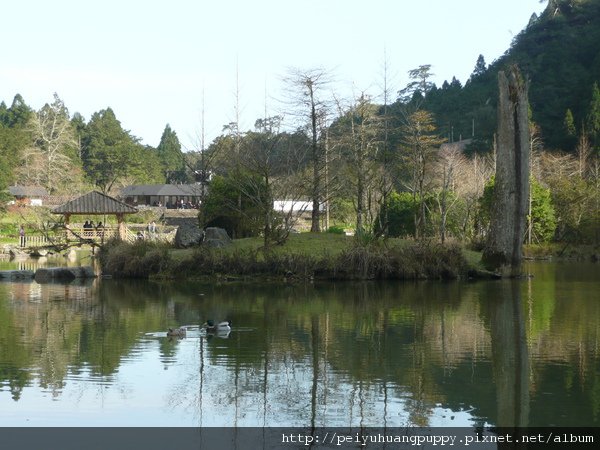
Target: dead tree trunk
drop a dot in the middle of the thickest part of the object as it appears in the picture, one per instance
(504, 252)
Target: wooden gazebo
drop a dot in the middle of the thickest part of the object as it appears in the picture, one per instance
(96, 204)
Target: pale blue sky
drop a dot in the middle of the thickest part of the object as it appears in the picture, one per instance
(150, 60)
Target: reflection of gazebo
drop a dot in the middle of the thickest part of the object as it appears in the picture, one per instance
(94, 204)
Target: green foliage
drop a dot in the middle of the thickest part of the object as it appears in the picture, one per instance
(559, 52)
(542, 213)
(18, 115)
(576, 201)
(480, 68)
(543, 219)
(171, 157)
(336, 229)
(415, 260)
(400, 209)
(593, 118)
(14, 137)
(139, 260)
(227, 206)
(109, 152)
(106, 149)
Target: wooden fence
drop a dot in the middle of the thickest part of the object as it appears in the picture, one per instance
(98, 235)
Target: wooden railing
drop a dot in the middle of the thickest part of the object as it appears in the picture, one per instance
(98, 235)
(36, 241)
(94, 234)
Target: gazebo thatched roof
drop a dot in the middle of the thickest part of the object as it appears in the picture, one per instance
(95, 203)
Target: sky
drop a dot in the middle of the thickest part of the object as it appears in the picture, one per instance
(184, 62)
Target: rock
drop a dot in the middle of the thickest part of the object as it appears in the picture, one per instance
(216, 237)
(12, 275)
(63, 273)
(188, 234)
(17, 253)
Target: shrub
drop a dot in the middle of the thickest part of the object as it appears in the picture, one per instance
(400, 207)
(141, 259)
(336, 229)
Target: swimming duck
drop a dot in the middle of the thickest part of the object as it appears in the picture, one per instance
(180, 332)
(222, 327)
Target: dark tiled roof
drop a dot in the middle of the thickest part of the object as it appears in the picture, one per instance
(95, 203)
(162, 189)
(28, 191)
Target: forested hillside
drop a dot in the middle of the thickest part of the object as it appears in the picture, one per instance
(560, 54)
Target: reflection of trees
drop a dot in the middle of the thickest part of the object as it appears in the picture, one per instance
(565, 347)
(49, 330)
(510, 359)
(365, 353)
(351, 337)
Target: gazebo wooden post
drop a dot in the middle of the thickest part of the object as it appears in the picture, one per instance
(67, 232)
(121, 227)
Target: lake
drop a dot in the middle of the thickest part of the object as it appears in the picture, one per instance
(506, 353)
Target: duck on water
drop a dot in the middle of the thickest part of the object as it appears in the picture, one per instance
(210, 326)
(222, 327)
(176, 332)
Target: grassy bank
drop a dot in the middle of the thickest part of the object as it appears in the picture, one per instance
(562, 251)
(304, 257)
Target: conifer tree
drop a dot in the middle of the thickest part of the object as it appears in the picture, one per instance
(593, 118)
(171, 157)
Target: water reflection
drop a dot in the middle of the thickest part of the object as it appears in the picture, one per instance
(510, 358)
(510, 353)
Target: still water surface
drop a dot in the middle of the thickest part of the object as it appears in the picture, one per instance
(521, 353)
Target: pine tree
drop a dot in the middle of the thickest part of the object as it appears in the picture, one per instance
(171, 157)
(480, 67)
(109, 151)
(593, 118)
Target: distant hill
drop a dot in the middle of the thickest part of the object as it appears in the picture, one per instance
(559, 52)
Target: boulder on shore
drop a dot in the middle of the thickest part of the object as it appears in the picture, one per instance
(188, 234)
(17, 253)
(216, 237)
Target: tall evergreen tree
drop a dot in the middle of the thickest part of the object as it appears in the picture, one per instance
(15, 136)
(593, 118)
(171, 157)
(480, 67)
(18, 113)
(109, 151)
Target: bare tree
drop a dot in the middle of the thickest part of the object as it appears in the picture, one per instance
(359, 133)
(420, 144)
(308, 101)
(450, 164)
(386, 185)
(469, 182)
(49, 161)
(268, 171)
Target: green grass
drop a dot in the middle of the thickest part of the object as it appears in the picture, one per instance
(309, 244)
